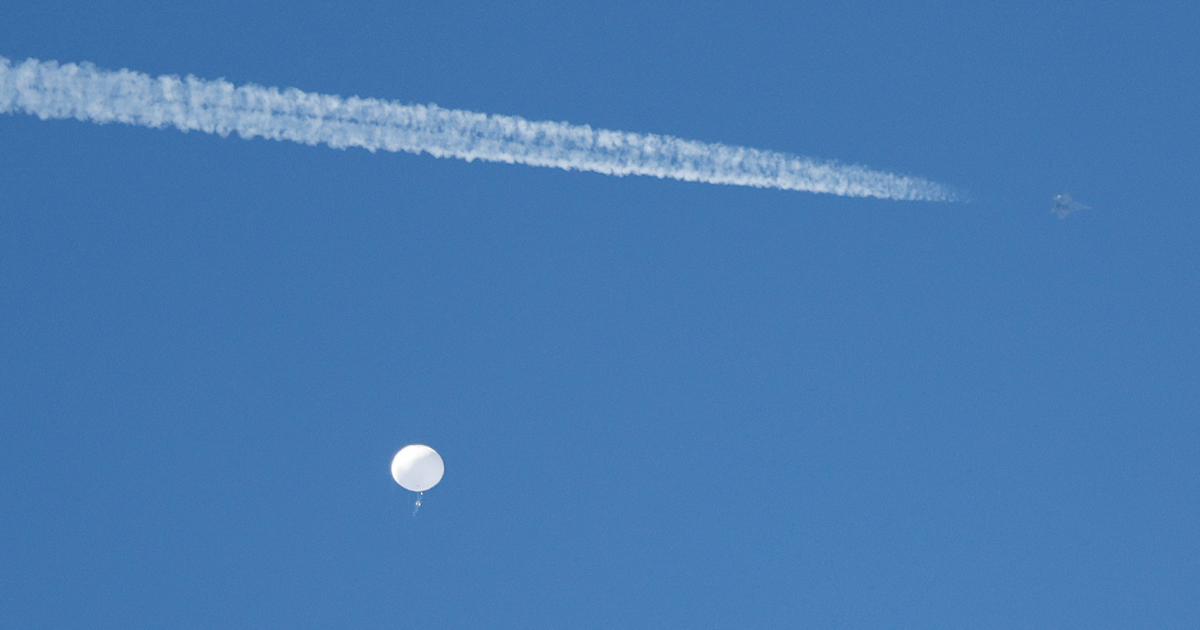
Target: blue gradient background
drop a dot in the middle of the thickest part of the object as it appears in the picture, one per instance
(661, 404)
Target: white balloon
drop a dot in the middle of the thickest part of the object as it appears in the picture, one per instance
(417, 467)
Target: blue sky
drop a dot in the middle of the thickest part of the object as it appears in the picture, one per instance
(660, 404)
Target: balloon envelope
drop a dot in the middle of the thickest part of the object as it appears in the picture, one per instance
(417, 468)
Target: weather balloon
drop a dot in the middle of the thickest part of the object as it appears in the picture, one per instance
(417, 468)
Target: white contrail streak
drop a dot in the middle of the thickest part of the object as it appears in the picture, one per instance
(47, 89)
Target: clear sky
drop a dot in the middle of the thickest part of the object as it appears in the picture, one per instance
(660, 404)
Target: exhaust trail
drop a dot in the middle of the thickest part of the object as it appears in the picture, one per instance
(50, 90)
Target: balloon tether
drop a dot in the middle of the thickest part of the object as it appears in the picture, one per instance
(417, 505)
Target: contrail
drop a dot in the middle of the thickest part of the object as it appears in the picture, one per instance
(47, 89)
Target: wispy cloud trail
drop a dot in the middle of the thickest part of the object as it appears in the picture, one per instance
(48, 90)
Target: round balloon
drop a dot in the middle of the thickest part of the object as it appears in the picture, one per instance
(417, 468)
